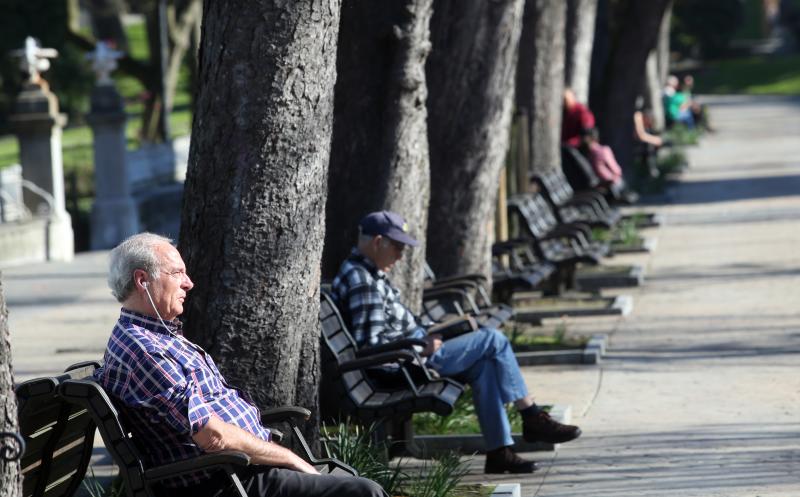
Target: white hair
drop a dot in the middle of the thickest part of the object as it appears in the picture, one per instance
(135, 252)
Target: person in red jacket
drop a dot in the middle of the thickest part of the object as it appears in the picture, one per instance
(576, 120)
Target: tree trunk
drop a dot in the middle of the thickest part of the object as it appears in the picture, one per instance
(638, 23)
(10, 475)
(379, 152)
(579, 41)
(653, 89)
(253, 213)
(540, 79)
(600, 51)
(106, 16)
(471, 86)
(663, 45)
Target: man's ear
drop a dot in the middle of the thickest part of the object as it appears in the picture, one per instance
(140, 278)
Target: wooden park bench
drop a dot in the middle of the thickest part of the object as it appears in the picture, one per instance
(58, 435)
(59, 416)
(444, 298)
(355, 385)
(569, 207)
(563, 245)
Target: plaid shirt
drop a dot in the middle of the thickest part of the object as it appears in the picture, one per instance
(170, 388)
(376, 315)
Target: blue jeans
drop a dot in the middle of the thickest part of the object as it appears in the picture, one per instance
(486, 359)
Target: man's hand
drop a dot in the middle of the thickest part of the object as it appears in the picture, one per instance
(433, 343)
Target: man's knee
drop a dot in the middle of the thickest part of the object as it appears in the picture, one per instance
(496, 337)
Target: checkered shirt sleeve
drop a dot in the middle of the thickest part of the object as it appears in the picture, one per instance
(376, 314)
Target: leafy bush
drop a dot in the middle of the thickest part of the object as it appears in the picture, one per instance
(705, 27)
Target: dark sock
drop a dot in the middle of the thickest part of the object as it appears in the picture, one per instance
(530, 411)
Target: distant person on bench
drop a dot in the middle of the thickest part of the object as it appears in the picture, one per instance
(376, 315)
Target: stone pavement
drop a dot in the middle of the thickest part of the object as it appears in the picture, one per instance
(699, 394)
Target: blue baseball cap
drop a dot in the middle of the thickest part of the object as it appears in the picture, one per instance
(388, 224)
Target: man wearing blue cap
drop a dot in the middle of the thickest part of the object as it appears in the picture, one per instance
(484, 357)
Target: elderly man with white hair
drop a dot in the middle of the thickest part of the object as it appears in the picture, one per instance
(179, 403)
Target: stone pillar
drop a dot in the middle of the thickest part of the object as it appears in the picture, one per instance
(114, 212)
(37, 124)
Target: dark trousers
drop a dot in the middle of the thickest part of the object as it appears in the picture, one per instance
(267, 481)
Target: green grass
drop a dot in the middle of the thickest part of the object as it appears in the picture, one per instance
(77, 140)
(774, 75)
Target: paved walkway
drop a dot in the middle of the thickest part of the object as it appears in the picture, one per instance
(700, 394)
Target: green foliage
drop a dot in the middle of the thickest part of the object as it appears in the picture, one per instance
(704, 27)
(757, 75)
(462, 420)
(95, 488)
(681, 136)
(439, 478)
(69, 76)
(354, 445)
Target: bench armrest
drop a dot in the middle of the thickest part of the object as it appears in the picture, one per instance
(283, 413)
(396, 357)
(402, 344)
(454, 327)
(210, 461)
(474, 277)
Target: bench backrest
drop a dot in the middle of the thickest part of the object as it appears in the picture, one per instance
(555, 187)
(341, 393)
(357, 394)
(88, 394)
(535, 213)
(58, 434)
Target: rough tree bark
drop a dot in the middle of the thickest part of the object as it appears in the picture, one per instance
(379, 152)
(600, 51)
(471, 85)
(652, 90)
(540, 79)
(10, 475)
(663, 44)
(253, 213)
(579, 41)
(656, 71)
(636, 35)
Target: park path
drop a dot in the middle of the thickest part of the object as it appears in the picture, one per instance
(700, 392)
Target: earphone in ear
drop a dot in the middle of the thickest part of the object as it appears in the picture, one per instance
(144, 284)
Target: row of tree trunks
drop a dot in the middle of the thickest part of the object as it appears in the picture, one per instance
(379, 153)
(253, 224)
(540, 79)
(471, 85)
(580, 24)
(638, 27)
(10, 476)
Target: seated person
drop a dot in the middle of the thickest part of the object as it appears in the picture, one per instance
(647, 143)
(484, 357)
(677, 107)
(179, 403)
(602, 158)
(699, 111)
(576, 120)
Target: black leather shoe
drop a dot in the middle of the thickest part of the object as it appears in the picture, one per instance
(542, 428)
(505, 460)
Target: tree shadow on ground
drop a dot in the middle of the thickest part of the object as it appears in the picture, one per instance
(728, 190)
(720, 459)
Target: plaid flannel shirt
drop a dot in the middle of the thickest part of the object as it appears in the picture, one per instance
(372, 305)
(169, 388)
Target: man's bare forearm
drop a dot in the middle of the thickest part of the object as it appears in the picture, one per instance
(217, 435)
